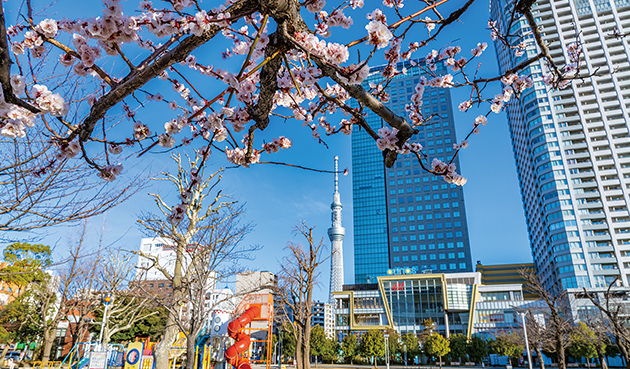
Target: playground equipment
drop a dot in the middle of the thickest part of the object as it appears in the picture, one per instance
(242, 339)
(259, 329)
(214, 349)
(84, 352)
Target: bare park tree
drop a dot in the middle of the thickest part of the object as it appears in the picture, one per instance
(38, 189)
(558, 321)
(127, 307)
(613, 306)
(82, 302)
(206, 233)
(297, 277)
(52, 298)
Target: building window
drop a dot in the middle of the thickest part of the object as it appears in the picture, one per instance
(396, 259)
(462, 265)
(452, 266)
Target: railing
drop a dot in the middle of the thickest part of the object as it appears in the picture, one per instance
(45, 364)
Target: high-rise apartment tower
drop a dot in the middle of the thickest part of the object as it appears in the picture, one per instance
(403, 217)
(571, 145)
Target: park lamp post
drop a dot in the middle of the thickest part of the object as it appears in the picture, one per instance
(386, 335)
(107, 299)
(529, 353)
(405, 350)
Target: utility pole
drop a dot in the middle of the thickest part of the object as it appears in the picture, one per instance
(386, 335)
(529, 353)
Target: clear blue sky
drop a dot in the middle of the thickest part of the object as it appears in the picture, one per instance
(278, 197)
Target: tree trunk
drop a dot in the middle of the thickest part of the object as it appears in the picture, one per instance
(168, 338)
(541, 359)
(49, 338)
(306, 347)
(440, 362)
(601, 356)
(5, 350)
(191, 356)
(106, 336)
(299, 354)
(562, 364)
(172, 328)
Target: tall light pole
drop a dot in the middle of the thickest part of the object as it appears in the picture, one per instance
(405, 349)
(529, 353)
(107, 299)
(386, 335)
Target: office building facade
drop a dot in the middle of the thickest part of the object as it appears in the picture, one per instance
(571, 145)
(404, 217)
(453, 302)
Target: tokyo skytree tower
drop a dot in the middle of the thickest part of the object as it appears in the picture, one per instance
(336, 234)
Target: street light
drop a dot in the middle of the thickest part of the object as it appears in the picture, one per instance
(107, 299)
(529, 354)
(405, 350)
(386, 335)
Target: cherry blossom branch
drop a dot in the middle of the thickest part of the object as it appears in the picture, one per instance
(101, 73)
(302, 167)
(5, 69)
(405, 130)
(140, 77)
(124, 57)
(397, 24)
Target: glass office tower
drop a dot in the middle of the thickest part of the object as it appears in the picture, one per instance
(571, 146)
(404, 217)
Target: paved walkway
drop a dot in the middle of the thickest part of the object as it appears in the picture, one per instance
(348, 366)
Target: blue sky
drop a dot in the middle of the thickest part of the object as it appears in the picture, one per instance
(278, 197)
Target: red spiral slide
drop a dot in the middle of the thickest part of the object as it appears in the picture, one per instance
(242, 339)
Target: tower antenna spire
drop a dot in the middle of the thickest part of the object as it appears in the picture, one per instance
(336, 234)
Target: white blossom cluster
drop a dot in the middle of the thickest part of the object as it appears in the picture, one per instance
(326, 21)
(449, 172)
(14, 120)
(379, 34)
